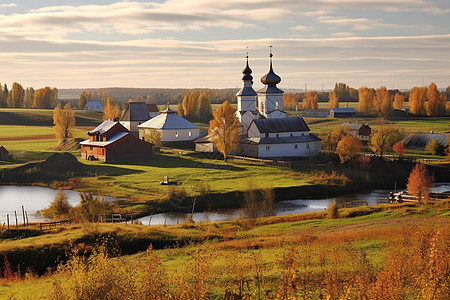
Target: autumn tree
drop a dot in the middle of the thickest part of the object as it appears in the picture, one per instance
(342, 91)
(111, 110)
(29, 97)
(310, 100)
(189, 103)
(203, 109)
(383, 138)
(45, 97)
(399, 100)
(331, 140)
(180, 109)
(59, 208)
(348, 147)
(435, 148)
(417, 97)
(399, 148)
(290, 100)
(333, 100)
(383, 102)
(419, 182)
(433, 99)
(3, 96)
(64, 121)
(366, 96)
(224, 129)
(17, 94)
(84, 97)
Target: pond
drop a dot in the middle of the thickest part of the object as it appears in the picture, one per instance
(34, 198)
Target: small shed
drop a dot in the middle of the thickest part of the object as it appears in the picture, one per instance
(94, 105)
(171, 126)
(360, 130)
(4, 154)
(419, 140)
(343, 113)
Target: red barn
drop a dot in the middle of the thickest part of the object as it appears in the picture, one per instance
(4, 154)
(111, 141)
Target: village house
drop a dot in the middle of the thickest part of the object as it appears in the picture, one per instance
(94, 105)
(360, 130)
(153, 110)
(170, 126)
(111, 141)
(134, 114)
(265, 130)
(4, 154)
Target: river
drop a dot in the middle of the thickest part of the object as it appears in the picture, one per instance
(34, 198)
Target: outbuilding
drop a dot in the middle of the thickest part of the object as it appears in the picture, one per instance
(360, 130)
(111, 141)
(94, 105)
(343, 113)
(171, 127)
(134, 114)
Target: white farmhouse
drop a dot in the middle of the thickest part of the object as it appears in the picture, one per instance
(171, 126)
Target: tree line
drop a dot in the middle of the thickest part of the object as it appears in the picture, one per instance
(28, 98)
(375, 102)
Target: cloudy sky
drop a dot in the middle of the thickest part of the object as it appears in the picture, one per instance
(203, 43)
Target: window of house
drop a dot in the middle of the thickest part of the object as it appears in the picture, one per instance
(176, 134)
(277, 135)
(291, 135)
(267, 135)
(307, 146)
(267, 148)
(295, 146)
(303, 134)
(190, 133)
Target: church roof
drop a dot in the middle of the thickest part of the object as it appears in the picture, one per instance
(246, 91)
(247, 72)
(270, 90)
(281, 125)
(135, 111)
(168, 119)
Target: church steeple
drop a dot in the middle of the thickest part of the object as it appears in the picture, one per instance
(271, 79)
(246, 97)
(247, 71)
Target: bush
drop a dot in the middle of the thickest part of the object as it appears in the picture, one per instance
(435, 148)
(333, 211)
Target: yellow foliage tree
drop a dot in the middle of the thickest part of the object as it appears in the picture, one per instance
(399, 99)
(224, 129)
(64, 121)
(417, 97)
(348, 147)
(111, 110)
(383, 101)
(333, 101)
(433, 99)
(366, 96)
(310, 101)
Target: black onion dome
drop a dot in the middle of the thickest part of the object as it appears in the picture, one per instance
(271, 79)
(247, 71)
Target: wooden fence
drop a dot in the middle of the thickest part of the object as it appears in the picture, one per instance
(45, 226)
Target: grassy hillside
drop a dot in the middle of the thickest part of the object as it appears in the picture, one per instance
(379, 252)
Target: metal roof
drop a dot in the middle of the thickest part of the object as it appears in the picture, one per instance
(419, 140)
(344, 110)
(114, 138)
(135, 111)
(168, 121)
(102, 128)
(270, 90)
(281, 140)
(152, 107)
(246, 91)
(354, 125)
(281, 125)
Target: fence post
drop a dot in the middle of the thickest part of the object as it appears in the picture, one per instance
(7, 218)
(23, 215)
(15, 214)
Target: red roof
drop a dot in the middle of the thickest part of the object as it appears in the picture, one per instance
(152, 108)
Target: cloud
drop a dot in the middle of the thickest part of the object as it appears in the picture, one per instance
(358, 23)
(8, 5)
(303, 28)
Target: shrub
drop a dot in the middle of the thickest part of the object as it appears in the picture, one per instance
(333, 211)
(435, 148)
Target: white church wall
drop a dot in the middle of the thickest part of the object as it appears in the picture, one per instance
(172, 135)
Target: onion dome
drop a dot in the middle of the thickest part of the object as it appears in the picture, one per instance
(271, 79)
(247, 71)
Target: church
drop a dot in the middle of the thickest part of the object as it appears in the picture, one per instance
(265, 130)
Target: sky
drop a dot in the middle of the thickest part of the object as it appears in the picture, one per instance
(203, 43)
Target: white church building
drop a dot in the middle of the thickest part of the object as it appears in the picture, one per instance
(266, 131)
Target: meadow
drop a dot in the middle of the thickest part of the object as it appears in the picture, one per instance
(378, 252)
